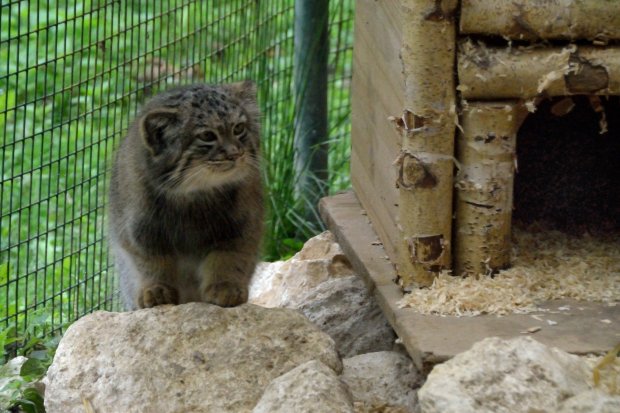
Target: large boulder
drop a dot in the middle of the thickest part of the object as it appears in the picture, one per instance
(344, 309)
(311, 387)
(194, 357)
(504, 376)
(285, 283)
(382, 380)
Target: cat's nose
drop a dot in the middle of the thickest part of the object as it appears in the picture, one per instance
(233, 152)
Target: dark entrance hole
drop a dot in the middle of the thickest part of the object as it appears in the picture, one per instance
(569, 173)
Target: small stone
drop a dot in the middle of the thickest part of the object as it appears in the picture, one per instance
(13, 367)
(382, 379)
(311, 387)
(284, 283)
(10, 370)
(344, 309)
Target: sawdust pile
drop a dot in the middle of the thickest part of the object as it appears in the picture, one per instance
(547, 265)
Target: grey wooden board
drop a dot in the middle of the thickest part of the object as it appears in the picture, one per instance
(378, 91)
(432, 339)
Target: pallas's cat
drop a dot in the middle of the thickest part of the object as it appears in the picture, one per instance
(186, 202)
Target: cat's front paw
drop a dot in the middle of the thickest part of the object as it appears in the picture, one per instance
(225, 294)
(158, 294)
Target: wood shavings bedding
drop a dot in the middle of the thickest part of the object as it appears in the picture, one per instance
(547, 265)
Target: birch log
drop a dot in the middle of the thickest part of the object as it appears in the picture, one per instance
(425, 164)
(505, 73)
(597, 20)
(486, 149)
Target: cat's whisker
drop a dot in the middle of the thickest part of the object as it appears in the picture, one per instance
(169, 183)
(253, 162)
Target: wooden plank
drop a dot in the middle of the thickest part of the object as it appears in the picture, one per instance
(383, 219)
(376, 155)
(377, 93)
(431, 339)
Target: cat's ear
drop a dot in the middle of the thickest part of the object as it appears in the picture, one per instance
(244, 91)
(153, 127)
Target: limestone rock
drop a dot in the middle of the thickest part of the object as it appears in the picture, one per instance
(11, 369)
(9, 378)
(311, 387)
(322, 246)
(511, 376)
(266, 284)
(284, 283)
(194, 357)
(591, 402)
(320, 282)
(344, 309)
(384, 379)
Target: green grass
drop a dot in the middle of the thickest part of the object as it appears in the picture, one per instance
(72, 75)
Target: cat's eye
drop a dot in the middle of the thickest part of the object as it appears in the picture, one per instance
(239, 129)
(209, 137)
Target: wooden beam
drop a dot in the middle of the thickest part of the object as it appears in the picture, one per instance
(425, 165)
(491, 73)
(486, 149)
(597, 20)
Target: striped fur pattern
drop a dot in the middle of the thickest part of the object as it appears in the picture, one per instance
(186, 201)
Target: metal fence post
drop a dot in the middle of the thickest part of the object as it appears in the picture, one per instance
(310, 77)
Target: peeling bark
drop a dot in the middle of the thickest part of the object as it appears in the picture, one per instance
(444, 10)
(426, 166)
(597, 106)
(507, 73)
(588, 78)
(563, 107)
(487, 153)
(597, 20)
(427, 250)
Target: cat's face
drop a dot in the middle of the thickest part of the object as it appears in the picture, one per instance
(201, 137)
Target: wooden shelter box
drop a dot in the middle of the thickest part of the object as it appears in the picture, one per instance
(441, 89)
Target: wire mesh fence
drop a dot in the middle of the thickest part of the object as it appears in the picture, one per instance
(72, 75)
